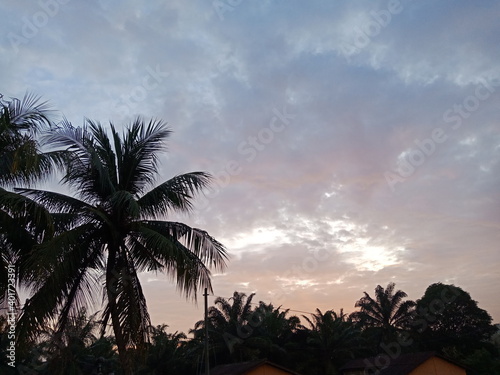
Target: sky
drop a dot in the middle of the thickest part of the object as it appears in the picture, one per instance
(352, 143)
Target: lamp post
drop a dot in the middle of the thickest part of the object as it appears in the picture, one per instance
(207, 366)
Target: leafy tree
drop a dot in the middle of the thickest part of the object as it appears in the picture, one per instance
(386, 314)
(447, 318)
(112, 230)
(482, 362)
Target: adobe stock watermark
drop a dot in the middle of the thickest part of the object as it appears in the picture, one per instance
(363, 36)
(414, 157)
(11, 315)
(224, 6)
(249, 149)
(149, 82)
(427, 314)
(32, 25)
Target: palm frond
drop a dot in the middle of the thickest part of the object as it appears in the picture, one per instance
(139, 150)
(158, 246)
(29, 113)
(175, 194)
(62, 281)
(198, 241)
(21, 156)
(56, 202)
(32, 214)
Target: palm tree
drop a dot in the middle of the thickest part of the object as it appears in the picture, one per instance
(77, 350)
(21, 156)
(22, 161)
(387, 313)
(167, 353)
(112, 230)
(229, 328)
(331, 339)
(274, 332)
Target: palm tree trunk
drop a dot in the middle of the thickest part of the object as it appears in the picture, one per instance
(120, 343)
(112, 292)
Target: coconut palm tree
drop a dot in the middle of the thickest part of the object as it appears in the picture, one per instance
(22, 161)
(21, 157)
(113, 229)
(387, 313)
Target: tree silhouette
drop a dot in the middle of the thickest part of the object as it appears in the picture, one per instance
(230, 325)
(447, 318)
(22, 160)
(332, 339)
(112, 230)
(386, 314)
(273, 332)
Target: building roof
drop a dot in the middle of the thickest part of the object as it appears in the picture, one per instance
(242, 368)
(400, 365)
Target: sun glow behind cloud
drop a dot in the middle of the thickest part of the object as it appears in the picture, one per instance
(255, 238)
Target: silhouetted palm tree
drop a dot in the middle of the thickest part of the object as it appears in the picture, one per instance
(77, 350)
(21, 158)
(274, 332)
(332, 340)
(229, 328)
(22, 161)
(166, 353)
(388, 313)
(113, 229)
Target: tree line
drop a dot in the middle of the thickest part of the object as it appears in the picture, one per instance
(445, 319)
(69, 252)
